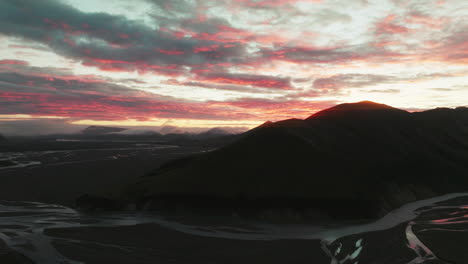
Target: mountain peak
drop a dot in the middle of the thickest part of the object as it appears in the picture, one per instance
(363, 105)
(101, 130)
(358, 108)
(215, 131)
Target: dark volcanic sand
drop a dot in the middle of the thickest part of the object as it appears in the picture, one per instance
(370, 247)
(82, 172)
(160, 245)
(66, 176)
(8, 256)
(447, 237)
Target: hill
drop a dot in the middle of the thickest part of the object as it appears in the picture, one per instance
(349, 160)
(101, 130)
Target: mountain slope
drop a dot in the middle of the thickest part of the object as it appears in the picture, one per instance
(101, 130)
(364, 155)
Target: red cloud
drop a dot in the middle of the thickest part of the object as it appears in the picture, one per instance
(206, 49)
(225, 34)
(264, 81)
(274, 110)
(14, 62)
(171, 52)
(147, 106)
(428, 21)
(388, 26)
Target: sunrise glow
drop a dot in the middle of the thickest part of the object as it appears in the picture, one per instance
(225, 63)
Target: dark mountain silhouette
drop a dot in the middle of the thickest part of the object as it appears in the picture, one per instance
(2, 139)
(101, 130)
(355, 159)
(214, 132)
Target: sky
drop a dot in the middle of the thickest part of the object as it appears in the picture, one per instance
(189, 65)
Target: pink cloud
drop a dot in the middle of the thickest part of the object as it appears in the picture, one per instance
(14, 62)
(171, 52)
(425, 20)
(263, 81)
(388, 26)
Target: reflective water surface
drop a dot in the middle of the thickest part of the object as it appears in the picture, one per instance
(22, 226)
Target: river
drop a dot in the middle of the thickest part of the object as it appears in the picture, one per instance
(22, 226)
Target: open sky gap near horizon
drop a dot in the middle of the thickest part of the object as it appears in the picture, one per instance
(188, 65)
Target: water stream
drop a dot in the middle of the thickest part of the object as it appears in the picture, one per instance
(22, 226)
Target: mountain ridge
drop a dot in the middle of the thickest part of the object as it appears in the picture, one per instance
(358, 157)
(101, 130)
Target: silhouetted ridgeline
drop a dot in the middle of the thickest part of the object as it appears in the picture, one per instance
(363, 157)
(101, 130)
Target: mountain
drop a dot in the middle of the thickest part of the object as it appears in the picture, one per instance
(101, 130)
(214, 132)
(2, 139)
(351, 160)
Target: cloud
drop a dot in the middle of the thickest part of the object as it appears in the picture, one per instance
(217, 86)
(49, 126)
(426, 20)
(264, 81)
(251, 48)
(384, 91)
(443, 89)
(454, 47)
(309, 54)
(29, 91)
(90, 98)
(275, 109)
(351, 81)
(388, 25)
(13, 62)
(343, 81)
(30, 127)
(171, 46)
(326, 17)
(111, 42)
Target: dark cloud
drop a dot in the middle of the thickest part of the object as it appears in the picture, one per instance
(172, 46)
(309, 55)
(108, 41)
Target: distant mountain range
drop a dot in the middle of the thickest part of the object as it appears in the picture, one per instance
(101, 130)
(349, 160)
(211, 137)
